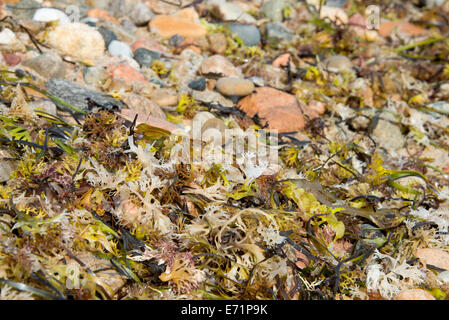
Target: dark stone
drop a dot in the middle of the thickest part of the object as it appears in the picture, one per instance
(79, 96)
(108, 35)
(146, 57)
(176, 40)
(198, 84)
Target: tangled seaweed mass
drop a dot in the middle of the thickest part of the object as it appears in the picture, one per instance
(217, 149)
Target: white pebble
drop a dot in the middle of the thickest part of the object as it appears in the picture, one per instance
(117, 48)
(51, 14)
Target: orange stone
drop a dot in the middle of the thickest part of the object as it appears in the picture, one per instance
(167, 26)
(435, 257)
(281, 110)
(386, 28)
(414, 294)
(282, 60)
(101, 14)
(125, 72)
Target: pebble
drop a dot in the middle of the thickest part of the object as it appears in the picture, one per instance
(217, 42)
(94, 75)
(249, 34)
(140, 14)
(9, 41)
(48, 65)
(440, 107)
(45, 105)
(220, 66)
(116, 7)
(276, 31)
(414, 294)
(108, 35)
(434, 257)
(234, 86)
(258, 81)
(409, 29)
(338, 15)
(176, 40)
(129, 115)
(120, 32)
(78, 40)
(182, 24)
(281, 110)
(272, 9)
(51, 14)
(228, 11)
(6, 166)
(128, 25)
(119, 48)
(388, 135)
(164, 97)
(198, 84)
(444, 276)
(212, 97)
(143, 105)
(125, 72)
(77, 95)
(146, 57)
(11, 59)
(100, 14)
(338, 63)
(25, 9)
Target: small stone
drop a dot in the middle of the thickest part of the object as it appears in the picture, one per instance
(77, 40)
(146, 57)
(217, 42)
(48, 65)
(120, 32)
(234, 87)
(198, 84)
(77, 95)
(108, 35)
(128, 25)
(281, 61)
(176, 40)
(11, 59)
(386, 29)
(276, 31)
(249, 34)
(129, 115)
(141, 14)
(414, 294)
(272, 9)
(25, 9)
(94, 75)
(9, 41)
(279, 109)
(439, 108)
(100, 14)
(150, 44)
(143, 105)
(258, 81)
(167, 26)
(444, 276)
(338, 63)
(45, 105)
(434, 257)
(51, 14)
(116, 7)
(338, 15)
(228, 11)
(119, 48)
(125, 72)
(7, 165)
(220, 66)
(388, 135)
(212, 97)
(164, 97)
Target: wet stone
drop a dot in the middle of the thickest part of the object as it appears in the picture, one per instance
(77, 95)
